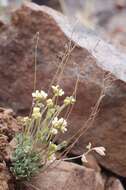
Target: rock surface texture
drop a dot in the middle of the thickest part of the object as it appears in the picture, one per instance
(8, 127)
(91, 59)
(4, 177)
(113, 184)
(68, 176)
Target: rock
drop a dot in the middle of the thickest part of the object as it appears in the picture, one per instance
(8, 128)
(4, 177)
(54, 4)
(68, 176)
(113, 184)
(91, 60)
(8, 123)
(116, 28)
(96, 10)
(92, 163)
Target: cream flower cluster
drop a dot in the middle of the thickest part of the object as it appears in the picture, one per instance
(39, 95)
(53, 131)
(57, 90)
(36, 113)
(59, 124)
(69, 100)
(49, 103)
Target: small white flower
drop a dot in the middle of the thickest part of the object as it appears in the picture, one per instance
(39, 95)
(100, 150)
(26, 120)
(36, 109)
(69, 100)
(63, 129)
(83, 158)
(36, 113)
(60, 124)
(54, 131)
(49, 103)
(55, 122)
(61, 92)
(57, 90)
(89, 146)
(63, 124)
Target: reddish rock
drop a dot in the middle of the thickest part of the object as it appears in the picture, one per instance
(63, 175)
(113, 184)
(8, 128)
(17, 49)
(4, 177)
(92, 163)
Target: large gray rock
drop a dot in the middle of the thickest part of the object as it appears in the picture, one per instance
(91, 59)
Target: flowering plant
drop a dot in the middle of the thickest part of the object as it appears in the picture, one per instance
(35, 145)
